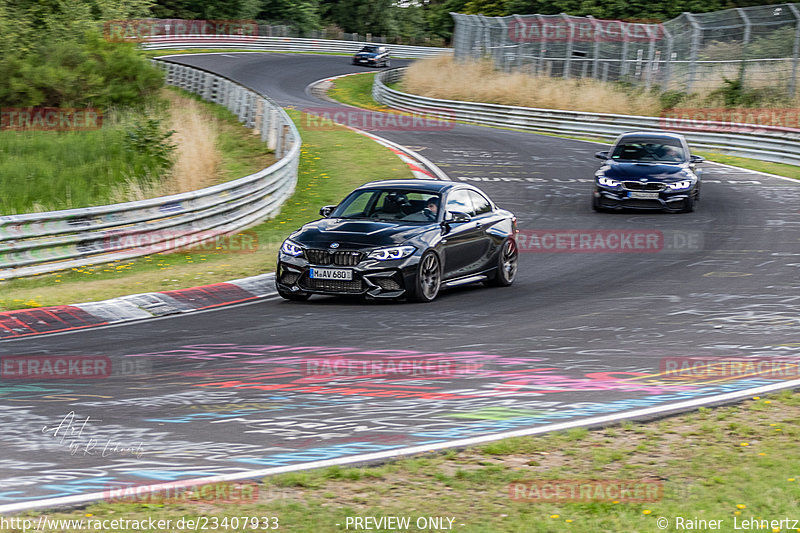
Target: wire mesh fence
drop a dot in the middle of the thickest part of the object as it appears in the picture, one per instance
(753, 47)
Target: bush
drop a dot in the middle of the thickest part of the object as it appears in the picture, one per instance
(734, 94)
(147, 138)
(93, 73)
(671, 98)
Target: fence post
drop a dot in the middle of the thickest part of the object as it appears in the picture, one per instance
(745, 42)
(570, 46)
(501, 44)
(795, 50)
(520, 42)
(697, 34)
(597, 33)
(623, 66)
(542, 47)
(668, 60)
(648, 76)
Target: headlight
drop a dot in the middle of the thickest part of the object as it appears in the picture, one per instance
(678, 185)
(607, 182)
(291, 248)
(394, 252)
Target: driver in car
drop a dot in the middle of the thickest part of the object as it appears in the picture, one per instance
(432, 208)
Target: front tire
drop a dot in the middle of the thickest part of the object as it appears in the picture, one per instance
(428, 280)
(507, 264)
(688, 206)
(597, 207)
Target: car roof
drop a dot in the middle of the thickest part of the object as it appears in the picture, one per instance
(421, 185)
(652, 135)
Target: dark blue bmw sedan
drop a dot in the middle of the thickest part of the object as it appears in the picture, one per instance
(647, 170)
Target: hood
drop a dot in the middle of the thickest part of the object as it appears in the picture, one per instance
(355, 233)
(651, 171)
(366, 54)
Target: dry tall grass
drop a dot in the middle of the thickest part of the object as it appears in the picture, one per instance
(441, 77)
(197, 159)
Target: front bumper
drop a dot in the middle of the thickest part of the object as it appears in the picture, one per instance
(371, 278)
(667, 200)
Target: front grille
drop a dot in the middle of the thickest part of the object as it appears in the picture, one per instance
(333, 285)
(650, 204)
(338, 258)
(643, 186)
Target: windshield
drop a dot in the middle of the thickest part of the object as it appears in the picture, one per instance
(370, 49)
(667, 150)
(391, 205)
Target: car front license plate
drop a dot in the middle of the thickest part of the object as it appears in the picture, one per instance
(643, 195)
(331, 273)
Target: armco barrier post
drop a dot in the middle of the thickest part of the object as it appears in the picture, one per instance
(272, 132)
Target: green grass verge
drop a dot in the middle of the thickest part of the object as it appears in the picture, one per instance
(52, 170)
(731, 463)
(356, 90)
(333, 161)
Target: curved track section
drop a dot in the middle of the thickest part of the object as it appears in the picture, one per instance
(583, 333)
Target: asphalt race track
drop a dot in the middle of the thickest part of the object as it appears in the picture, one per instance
(582, 333)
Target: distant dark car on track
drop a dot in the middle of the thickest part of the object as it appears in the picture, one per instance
(390, 239)
(373, 56)
(648, 170)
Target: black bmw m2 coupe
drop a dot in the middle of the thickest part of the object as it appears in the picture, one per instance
(400, 239)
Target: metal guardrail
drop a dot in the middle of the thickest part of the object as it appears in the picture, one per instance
(287, 44)
(766, 143)
(38, 243)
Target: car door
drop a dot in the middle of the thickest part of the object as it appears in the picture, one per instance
(462, 240)
(485, 218)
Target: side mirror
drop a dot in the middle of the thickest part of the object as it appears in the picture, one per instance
(327, 210)
(457, 217)
(601, 155)
(697, 159)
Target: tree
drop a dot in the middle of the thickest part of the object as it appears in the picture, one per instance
(302, 14)
(360, 16)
